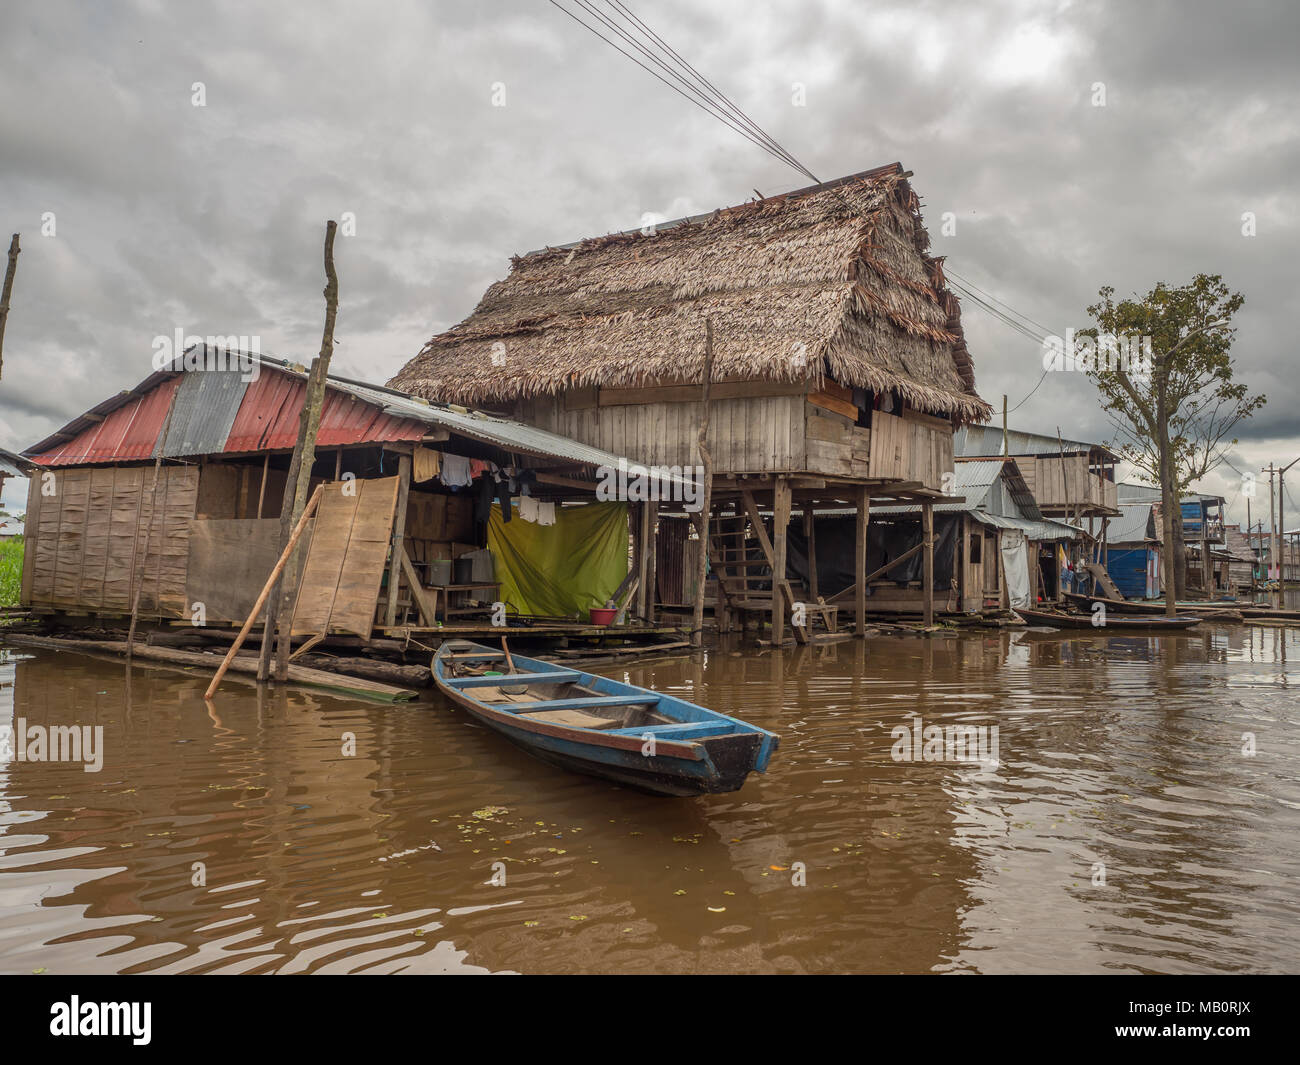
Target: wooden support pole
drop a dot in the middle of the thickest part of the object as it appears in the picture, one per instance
(6, 292)
(810, 539)
(652, 562)
(399, 534)
(642, 563)
(927, 571)
(299, 479)
(780, 529)
(706, 504)
(428, 607)
(261, 492)
(860, 562)
(266, 591)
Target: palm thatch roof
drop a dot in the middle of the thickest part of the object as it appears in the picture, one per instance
(832, 280)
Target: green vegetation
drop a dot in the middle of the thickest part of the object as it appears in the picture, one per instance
(11, 571)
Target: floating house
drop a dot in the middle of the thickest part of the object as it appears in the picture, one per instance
(170, 493)
(1204, 536)
(1133, 551)
(993, 548)
(1070, 479)
(840, 370)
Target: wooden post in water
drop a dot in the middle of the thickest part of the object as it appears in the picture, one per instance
(299, 479)
(810, 538)
(706, 503)
(860, 561)
(927, 582)
(266, 591)
(780, 526)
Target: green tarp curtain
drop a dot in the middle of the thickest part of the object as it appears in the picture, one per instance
(561, 569)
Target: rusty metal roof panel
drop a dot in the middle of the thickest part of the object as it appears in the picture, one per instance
(204, 410)
(122, 428)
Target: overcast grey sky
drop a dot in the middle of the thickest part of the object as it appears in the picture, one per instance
(210, 218)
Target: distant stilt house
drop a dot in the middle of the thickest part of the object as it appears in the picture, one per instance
(1208, 557)
(986, 547)
(414, 530)
(840, 369)
(1071, 481)
(1133, 551)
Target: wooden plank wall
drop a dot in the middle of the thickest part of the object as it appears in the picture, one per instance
(1050, 489)
(345, 563)
(753, 434)
(87, 546)
(835, 445)
(229, 563)
(910, 449)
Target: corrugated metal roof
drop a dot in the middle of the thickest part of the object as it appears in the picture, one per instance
(974, 481)
(123, 428)
(1133, 525)
(1035, 530)
(204, 408)
(987, 440)
(263, 414)
(14, 465)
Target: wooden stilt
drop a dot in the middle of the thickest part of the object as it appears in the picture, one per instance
(860, 562)
(399, 534)
(652, 547)
(810, 538)
(780, 526)
(642, 561)
(927, 569)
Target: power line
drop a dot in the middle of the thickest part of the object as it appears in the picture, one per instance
(703, 106)
(701, 92)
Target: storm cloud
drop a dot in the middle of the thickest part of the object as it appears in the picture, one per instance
(210, 218)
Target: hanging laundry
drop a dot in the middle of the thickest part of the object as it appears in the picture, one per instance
(528, 508)
(425, 464)
(478, 467)
(546, 513)
(455, 471)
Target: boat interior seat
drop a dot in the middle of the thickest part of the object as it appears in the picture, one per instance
(570, 718)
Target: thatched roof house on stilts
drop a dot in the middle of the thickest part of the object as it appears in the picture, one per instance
(840, 369)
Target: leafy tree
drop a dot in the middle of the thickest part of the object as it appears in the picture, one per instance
(1176, 408)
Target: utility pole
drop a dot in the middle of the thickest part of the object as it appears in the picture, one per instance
(1279, 535)
(1272, 539)
(1251, 550)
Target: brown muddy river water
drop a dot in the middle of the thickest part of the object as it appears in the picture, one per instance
(1122, 828)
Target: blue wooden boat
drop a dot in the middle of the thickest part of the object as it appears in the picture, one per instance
(602, 727)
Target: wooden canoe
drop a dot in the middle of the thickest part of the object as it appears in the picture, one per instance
(1116, 606)
(1114, 623)
(1209, 610)
(604, 728)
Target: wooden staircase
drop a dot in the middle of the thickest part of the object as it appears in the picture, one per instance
(745, 565)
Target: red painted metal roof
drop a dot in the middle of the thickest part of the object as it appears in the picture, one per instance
(128, 432)
(272, 405)
(267, 419)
